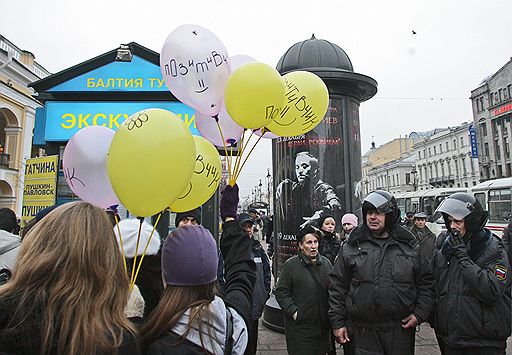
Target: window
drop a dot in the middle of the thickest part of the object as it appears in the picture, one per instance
(506, 146)
(500, 95)
(509, 90)
(419, 154)
(393, 180)
(440, 148)
(462, 141)
(472, 163)
(478, 109)
(505, 94)
(497, 149)
(449, 168)
(447, 147)
(442, 168)
(463, 163)
(486, 149)
(499, 204)
(454, 144)
(483, 128)
(435, 150)
(509, 169)
(482, 103)
(407, 178)
(429, 152)
(500, 171)
(492, 98)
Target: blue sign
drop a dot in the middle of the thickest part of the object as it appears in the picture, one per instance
(62, 119)
(137, 75)
(473, 142)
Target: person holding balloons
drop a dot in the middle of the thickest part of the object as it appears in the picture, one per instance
(190, 317)
(69, 290)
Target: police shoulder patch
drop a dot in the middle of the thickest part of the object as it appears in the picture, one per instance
(501, 272)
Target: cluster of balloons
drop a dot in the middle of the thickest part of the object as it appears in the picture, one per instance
(150, 164)
(232, 94)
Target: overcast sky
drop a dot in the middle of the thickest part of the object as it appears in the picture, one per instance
(424, 80)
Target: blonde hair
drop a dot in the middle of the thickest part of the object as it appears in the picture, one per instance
(69, 273)
(173, 304)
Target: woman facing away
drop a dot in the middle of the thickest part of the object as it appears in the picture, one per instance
(69, 289)
(191, 318)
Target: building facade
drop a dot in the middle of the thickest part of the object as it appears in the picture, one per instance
(492, 110)
(388, 166)
(18, 68)
(444, 159)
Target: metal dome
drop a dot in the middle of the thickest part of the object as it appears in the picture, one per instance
(314, 53)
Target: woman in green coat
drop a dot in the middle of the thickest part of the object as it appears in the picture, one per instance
(302, 294)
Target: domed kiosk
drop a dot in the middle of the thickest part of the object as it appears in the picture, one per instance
(317, 173)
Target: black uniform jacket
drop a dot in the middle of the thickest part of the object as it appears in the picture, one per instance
(376, 284)
(473, 294)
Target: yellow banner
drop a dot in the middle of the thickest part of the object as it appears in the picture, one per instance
(40, 187)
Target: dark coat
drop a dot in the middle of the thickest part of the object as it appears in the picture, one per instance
(262, 287)
(377, 285)
(26, 339)
(329, 246)
(473, 294)
(240, 275)
(296, 291)
(427, 240)
(506, 238)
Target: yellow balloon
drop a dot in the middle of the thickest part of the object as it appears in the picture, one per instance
(254, 94)
(150, 161)
(307, 99)
(205, 179)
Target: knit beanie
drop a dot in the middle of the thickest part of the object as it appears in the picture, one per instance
(349, 218)
(129, 232)
(189, 257)
(196, 213)
(322, 219)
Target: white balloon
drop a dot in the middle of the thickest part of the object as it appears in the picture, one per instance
(194, 66)
(238, 60)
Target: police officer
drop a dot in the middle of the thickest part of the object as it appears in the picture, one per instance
(472, 282)
(380, 290)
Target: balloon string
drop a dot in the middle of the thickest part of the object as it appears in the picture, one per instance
(136, 252)
(116, 217)
(247, 157)
(146, 248)
(225, 148)
(237, 160)
(240, 155)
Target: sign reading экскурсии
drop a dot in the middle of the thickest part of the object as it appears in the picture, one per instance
(40, 184)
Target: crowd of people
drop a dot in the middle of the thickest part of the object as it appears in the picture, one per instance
(389, 276)
(66, 286)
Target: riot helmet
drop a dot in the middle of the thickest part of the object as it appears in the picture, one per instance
(463, 206)
(383, 202)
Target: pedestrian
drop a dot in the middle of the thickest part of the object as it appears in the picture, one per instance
(380, 290)
(426, 238)
(472, 282)
(191, 318)
(261, 291)
(149, 278)
(9, 243)
(409, 220)
(348, 222)
(69, 289)
(257, 223)
(301, 292)
(329, 242)
(188, 218)
(506, 238)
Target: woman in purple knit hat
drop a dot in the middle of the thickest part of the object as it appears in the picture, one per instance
(191, 318)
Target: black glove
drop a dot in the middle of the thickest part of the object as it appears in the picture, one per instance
(229, 202)
(459, 246)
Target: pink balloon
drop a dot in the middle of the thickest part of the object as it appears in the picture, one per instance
(267, 134)
(193, 62)
(238, 60)
(208, 128)
(85, 166)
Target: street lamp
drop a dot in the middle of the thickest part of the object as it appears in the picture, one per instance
(259, 189)
(268, 189)
(413, 173)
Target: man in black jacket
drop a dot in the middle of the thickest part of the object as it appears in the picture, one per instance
(472, 282)
(380, 289)
(426, 238)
